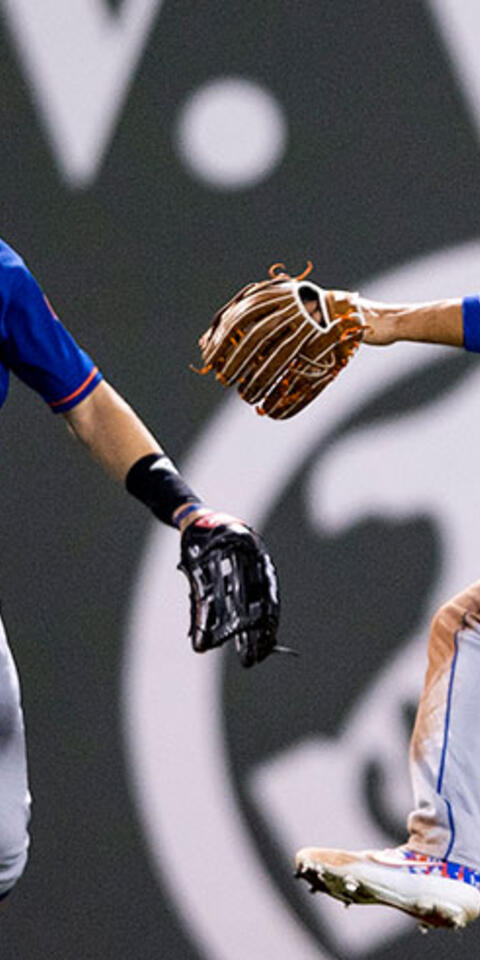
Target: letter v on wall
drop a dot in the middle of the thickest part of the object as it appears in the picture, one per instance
(79, 58)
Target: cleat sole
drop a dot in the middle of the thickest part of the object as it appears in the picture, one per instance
(363, 891)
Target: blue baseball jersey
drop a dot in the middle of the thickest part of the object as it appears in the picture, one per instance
(35, 345)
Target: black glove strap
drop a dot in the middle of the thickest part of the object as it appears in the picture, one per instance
(155, 481)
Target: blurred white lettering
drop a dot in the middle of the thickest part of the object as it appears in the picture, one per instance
(80, 59)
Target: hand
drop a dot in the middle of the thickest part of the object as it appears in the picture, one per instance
(380, 318)
(233, 587)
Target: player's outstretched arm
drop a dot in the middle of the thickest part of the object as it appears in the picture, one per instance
(233, 582)
(280, 342)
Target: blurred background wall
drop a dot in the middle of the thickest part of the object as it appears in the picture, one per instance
(156, 156)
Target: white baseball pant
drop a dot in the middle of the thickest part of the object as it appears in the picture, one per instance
(14, 793)
(445, 746)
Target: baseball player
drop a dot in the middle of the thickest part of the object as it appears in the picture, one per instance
(435, 875)
(233, 586)
(280, 342)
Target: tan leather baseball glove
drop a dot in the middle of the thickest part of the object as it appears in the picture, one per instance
(282, 341)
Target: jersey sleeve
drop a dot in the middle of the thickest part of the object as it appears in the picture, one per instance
(40, 350)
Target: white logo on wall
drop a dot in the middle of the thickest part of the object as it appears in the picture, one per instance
(201, 847)
(80, 60)
(231, 133)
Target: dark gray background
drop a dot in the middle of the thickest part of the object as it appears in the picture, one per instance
(381, 165)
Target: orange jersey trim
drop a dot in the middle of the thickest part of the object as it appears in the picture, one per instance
(71, 396)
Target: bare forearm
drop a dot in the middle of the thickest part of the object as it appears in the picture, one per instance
(116, 437)
(438, 321)
(112, 432)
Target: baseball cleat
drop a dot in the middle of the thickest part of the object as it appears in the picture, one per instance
(438, 893)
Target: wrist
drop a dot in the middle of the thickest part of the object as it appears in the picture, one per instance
(189, 513)
(382, 322)
(401, 321)
(205, 517)
(156, 482)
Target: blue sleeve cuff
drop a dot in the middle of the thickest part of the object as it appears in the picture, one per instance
(471, 323)
(79, 394)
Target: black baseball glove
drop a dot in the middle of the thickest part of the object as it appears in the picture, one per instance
(233, 588)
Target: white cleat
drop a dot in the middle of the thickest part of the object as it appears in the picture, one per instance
(438, 893)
